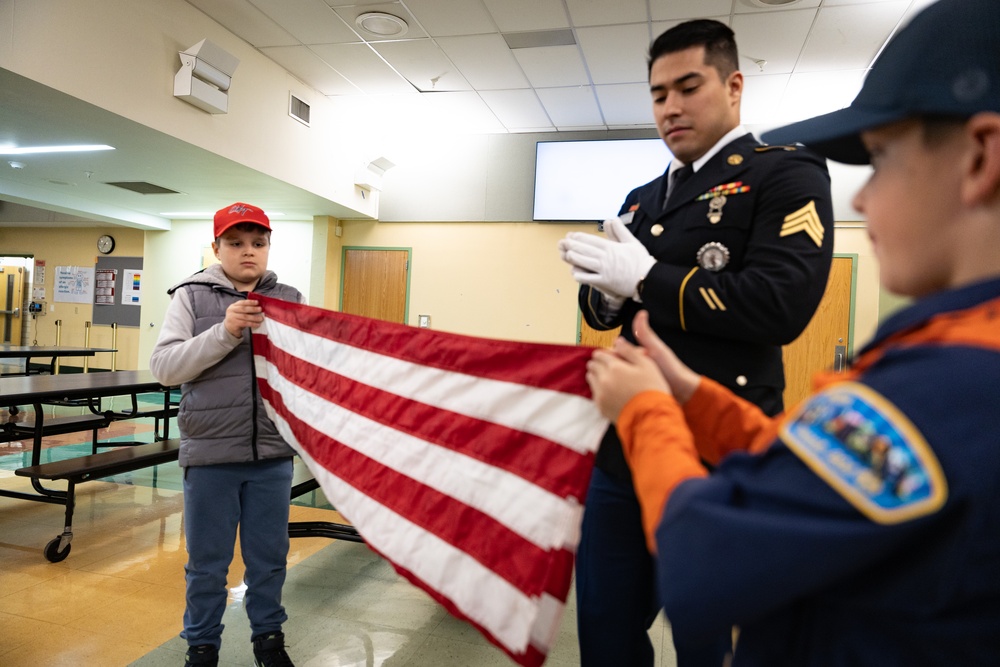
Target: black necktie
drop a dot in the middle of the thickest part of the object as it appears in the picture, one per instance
(676, 180)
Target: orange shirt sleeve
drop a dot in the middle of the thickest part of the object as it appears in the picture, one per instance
(660, 452)
(722, 422)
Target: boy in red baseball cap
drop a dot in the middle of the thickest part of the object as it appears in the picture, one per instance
(861, 528)
(237, 467)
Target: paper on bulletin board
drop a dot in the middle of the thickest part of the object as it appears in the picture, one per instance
(74, 284)
(104, 286)
(131, 287)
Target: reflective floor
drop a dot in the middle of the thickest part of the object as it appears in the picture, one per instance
(119, 596)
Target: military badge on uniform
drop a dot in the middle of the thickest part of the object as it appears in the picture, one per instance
(713, 256)
(869, 452)
(717, 197)
(734, 160)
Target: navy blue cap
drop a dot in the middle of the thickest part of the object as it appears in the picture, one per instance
(945, 62)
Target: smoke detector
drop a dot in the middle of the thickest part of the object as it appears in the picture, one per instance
(770, 4)
(381, 24)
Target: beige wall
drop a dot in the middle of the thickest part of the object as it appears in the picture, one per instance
(76, 247)
(505, 280)
(497, 280)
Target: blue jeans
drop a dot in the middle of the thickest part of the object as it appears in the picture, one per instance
(616, 600)
(218, 499)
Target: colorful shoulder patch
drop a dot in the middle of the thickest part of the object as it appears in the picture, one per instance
(868, 451)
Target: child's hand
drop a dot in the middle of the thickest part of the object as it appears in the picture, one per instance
(682, 380)
(617, 375)
(243, 314)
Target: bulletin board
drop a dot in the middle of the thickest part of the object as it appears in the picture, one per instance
(118, 291)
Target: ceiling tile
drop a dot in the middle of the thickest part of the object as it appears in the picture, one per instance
(442, 18)
(461, 111)
(626, 104)
(850, 36)
(762, 95)
(423, 64)
(671, 10)
(589, 12)
(517, 109)
(311, 69)
(814, 93)
(246, 21)
(514, 15)
(747, 7)
(363, 67)
(616, 54)
(309, 21)
(484, 61)
(660, 27)
(572, 107)
(775, 37)
(552, 66)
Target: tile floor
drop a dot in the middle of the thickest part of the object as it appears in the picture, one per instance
(119, 596)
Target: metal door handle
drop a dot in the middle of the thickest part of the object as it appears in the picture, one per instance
(839, 355)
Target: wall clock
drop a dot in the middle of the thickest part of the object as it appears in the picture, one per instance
(105, 244)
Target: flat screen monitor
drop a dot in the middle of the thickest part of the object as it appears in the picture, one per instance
(579, 181)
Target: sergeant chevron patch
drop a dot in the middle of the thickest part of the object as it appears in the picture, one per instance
(806, 219)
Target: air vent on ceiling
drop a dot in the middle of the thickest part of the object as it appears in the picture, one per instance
(536, 38)
(298, 109)
(142, 187)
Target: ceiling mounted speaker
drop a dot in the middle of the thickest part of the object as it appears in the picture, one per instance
(381, 24)
(773, 3)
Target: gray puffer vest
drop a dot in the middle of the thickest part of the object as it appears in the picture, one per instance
(221, 415)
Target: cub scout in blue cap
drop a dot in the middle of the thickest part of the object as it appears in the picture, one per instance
(861, 528)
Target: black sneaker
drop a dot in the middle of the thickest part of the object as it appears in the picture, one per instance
(269, 651)
(205, 655)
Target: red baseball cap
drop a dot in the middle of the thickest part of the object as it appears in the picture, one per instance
(237, 213)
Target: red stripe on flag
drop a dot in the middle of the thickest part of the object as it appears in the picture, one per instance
(546, 464)
(506, 553)
(533, 364)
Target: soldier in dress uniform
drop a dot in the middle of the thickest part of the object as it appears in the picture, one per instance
(730, 264)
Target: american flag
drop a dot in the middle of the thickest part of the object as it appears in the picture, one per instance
(463, 461)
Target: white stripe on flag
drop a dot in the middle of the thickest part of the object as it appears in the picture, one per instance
(474, 589)
(560, 417)
(532, 512)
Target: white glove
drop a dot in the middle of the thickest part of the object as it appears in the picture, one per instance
(614, 267)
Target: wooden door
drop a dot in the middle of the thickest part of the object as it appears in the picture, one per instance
(375, 283)
(11, 303)
(825, 343)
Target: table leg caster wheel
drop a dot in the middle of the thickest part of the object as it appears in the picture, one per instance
(52, 552)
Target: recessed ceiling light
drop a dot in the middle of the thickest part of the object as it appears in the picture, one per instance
(28, 150)
(381, 24)
(773, 3)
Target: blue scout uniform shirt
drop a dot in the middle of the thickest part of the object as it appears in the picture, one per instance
(869, 532)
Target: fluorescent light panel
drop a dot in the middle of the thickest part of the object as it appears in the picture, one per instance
(29, 150)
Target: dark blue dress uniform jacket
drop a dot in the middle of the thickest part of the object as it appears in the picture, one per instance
(816, 574)
(777, 227)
